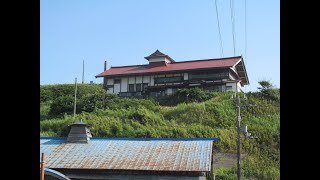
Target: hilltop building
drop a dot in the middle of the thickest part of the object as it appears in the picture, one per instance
(163, 76)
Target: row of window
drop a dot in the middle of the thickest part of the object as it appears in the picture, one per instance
(163, 80)
(138, 87)
(208, 75)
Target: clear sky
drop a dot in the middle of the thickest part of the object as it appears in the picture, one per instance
(123, 32)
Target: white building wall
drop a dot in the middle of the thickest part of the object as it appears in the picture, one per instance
(110, 90)
(169, 91)
(152, 81)
(223, 87)
(159, 59)
(185, 76)
(124, 84)
(131, 80)
(116, 88)
(146, 79)
(138, 79)
(234, 86)
(110, 81)
(239, 88)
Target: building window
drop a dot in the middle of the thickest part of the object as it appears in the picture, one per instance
(131, 87)
(163, 80)
(228, 88)
(208, 75)
(117, 81)
(215, 88)
(144, 86)
(109, 86)
(138, 87)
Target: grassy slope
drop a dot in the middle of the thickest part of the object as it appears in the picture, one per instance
(211, 118)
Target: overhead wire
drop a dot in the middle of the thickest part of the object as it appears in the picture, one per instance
(245, 36)
(233, 26)
(219, 29)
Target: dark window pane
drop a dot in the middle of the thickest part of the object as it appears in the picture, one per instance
(117, 81)
(131, 87)
(144, 86)
(138, 87)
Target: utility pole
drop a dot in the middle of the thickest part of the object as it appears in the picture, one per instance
(238, 105)
(238, 137)
(43, 157)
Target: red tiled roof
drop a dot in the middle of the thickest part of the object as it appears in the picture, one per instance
(177, 66)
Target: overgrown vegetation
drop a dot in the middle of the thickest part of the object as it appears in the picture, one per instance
(203, 114)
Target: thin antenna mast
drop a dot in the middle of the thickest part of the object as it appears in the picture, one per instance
(82, 71)
(75, 101)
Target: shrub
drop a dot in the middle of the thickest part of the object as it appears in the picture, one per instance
(62, 105)
(186, 95)
(51, 92)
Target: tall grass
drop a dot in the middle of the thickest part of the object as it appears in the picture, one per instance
(216, 117)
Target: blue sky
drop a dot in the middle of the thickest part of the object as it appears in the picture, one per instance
(123, 32)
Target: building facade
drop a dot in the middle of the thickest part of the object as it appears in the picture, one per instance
(163, 76)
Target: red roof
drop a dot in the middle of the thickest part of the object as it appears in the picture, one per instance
(177, 66)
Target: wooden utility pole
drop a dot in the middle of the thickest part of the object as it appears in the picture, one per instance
(237, 98)
(238, 138)
(43, 157)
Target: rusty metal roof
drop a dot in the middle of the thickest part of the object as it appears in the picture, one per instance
(162, 154)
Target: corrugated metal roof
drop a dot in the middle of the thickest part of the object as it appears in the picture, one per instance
(177, 66)
(129, 154)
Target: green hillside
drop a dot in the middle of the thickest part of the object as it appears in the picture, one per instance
(203, 115)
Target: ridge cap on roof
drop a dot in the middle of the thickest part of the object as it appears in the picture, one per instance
(213, 59)
(128, 66)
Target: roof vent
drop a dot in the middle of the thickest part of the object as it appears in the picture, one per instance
(158, 56)
(79, 133)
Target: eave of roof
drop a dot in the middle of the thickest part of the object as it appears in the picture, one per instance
(177, 66)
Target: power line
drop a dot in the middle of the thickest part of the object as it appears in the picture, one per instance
(221, 46)
(245, 28)
(233, 27)
(245, 36)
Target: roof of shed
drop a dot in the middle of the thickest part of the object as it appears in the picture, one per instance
(162, 154)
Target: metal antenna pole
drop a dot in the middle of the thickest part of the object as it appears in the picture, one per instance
(82, 71)
(75, 101)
